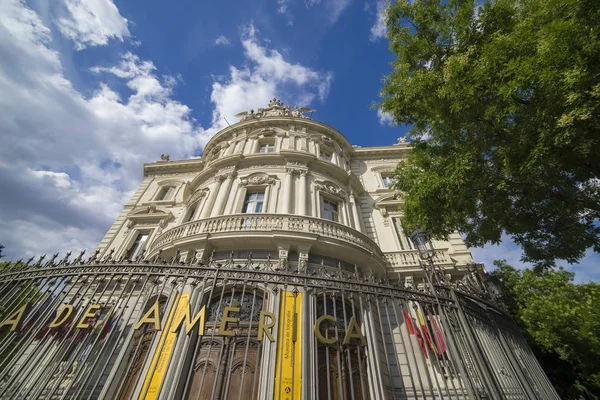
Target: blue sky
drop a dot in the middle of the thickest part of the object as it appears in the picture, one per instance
(90, 90)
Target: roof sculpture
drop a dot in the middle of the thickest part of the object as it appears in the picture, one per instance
(275, 109)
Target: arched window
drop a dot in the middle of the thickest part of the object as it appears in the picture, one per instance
(225, 366)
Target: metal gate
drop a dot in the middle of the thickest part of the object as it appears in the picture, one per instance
(251, 329)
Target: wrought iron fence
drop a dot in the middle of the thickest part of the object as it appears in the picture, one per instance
(252, 329)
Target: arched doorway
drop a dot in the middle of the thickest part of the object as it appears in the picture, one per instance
(341, 368)
(227, 367)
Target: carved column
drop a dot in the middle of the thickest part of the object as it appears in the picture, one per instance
(266, 199)
(228, 150)
(301, 197)
(211, 198)
(241, 145)
(287, 191)
(358, 223)
(222, 196)
(346, 213)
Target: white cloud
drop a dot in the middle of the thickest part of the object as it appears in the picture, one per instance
(268, 75)
(379, 28)
(283, 8)
(92, 23)
(69, 161)
(385, 118)
(221, 41)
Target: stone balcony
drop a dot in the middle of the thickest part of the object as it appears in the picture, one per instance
(267, 230)
(408, 261)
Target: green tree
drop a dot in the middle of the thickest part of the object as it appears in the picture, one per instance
(504, 104)
(561, 321)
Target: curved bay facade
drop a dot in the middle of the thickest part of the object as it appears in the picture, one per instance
(274, 267)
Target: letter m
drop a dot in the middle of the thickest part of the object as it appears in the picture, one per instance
(189, 322)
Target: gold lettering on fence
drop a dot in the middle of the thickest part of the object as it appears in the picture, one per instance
(90, 313)
(226, 318)
(263, 326)
(186, 316)
(318, 333)
(60, 319)
(353, 331)
(151, 317)
(15, 318)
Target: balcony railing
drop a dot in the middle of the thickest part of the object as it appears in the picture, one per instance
(410, 258)
(245, 223)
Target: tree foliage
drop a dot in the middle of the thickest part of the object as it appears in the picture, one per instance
(504, 103)
(562, 323)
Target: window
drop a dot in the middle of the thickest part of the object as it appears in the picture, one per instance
(165, 193)
(387, 180)
(254, 202)
(325, 153)
(137, 247)
(330, 210)
(266, 147)
(190, 213)
(405, 242)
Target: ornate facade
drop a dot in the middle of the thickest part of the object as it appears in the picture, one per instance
(273, 267)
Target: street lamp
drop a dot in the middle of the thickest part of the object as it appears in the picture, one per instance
(422, 239)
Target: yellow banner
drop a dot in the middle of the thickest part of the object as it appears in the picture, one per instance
(160, 361)
(288, 369)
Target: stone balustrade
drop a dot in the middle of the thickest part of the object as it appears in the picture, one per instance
(410, 258)
(244, 223)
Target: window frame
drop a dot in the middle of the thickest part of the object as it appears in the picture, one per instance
(386, 179)
(129, 255)
(326, 199)
(247, 201)
(325, 153)
(404, 240)
(165, 193)
(268, 145)
(189, 213)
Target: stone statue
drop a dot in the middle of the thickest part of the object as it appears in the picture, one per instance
(402, 140)
(275, 109)
(164, 157)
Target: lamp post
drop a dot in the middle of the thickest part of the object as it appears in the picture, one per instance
(422, 239)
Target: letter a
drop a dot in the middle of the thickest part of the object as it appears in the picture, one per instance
(354, 332)
(152, 316)
(14, 318)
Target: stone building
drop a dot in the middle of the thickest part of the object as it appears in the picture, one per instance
(273, 267)
(276, 184)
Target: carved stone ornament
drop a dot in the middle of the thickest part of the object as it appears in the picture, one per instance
(164, 157)
(257, 180)
(401, 140)
(200, 194)
(275, 109)
(331, 189)
(151, 209)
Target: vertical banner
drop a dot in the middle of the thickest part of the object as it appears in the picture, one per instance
(288, 368)
(164, 349)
